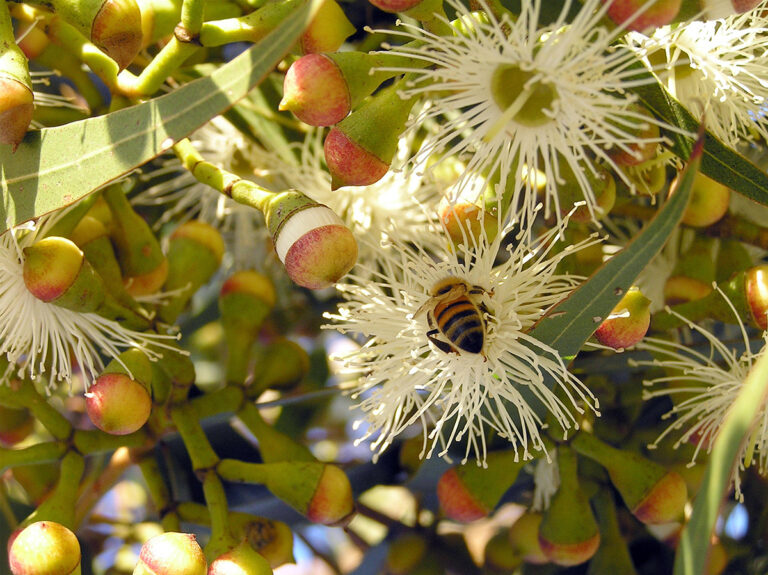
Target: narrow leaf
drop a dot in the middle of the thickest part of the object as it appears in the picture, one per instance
(569, 324)
(693, 550)
(721, 163)
(57, 166)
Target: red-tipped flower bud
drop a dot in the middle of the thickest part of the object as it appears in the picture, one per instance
(316, 91)
(628, 322)
(45, 548)
(651, 492)
(117, 403)
(315, 246)
(55, 271)
(708, 203)
(659, 13)
(332, 502)
(171, 554)
(467, 222)
(756, 287)
(321, 89)
(328, 29)
(16, 110)
(116, 29)
(469, 492)
(356, 153)
(15, 425)
(681, 289)
(395, 5)
(568, 533)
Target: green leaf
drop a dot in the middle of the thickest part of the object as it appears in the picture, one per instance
(721, 163)
(693, 550)
(55, 167)
(569, 324)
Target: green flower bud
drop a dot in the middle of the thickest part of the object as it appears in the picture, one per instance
(568, 533)
(499, 555)
(282, 365)
(194, 254)
(327, 30)
(242, 560)
(171, 554)
(524, 538)
(406, 553)
(45, 548)
(244, 302)
(144, 266)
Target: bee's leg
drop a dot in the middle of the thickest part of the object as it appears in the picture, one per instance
(439, 344)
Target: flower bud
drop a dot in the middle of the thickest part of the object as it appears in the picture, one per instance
(570, 192)
(315, 246)
(651, 492)
(321, 89)
(242, 560)
(112, 25)
(628, 322)
(393, 6)
(406, 553)
(16, 110)
(646, 140)
(37, 479)
(499, 555)
(281, 365)
(171, 554)
(320, 491)
(358, 154)
(316, 91)
(332, 502)
(245, 300)
(659, 13)
(327, 30)
(732, 258)
(194, 254)
(612, 556)
(32, 40)
(271, 539)
(467, 222)
(714, 9)
(116, 403)
(756, 287)
(708, 204)
(681, 289)
(568, 533)
(92, 237)
(45, 548)
(469, 492)
(524, 538)
(55, 271)
(15, 425)
(142, 262)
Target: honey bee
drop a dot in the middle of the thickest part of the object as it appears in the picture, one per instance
(452, 314)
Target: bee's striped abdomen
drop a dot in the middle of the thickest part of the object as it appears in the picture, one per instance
(460, 322)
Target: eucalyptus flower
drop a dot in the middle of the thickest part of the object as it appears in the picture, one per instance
(43, 338)
(528, 103)
(498, 377)
(702, 386)
(715, 68)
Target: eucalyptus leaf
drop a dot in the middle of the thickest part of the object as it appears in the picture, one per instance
(720, 162)
(568, 325)
(693, 550)
(55, 167)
